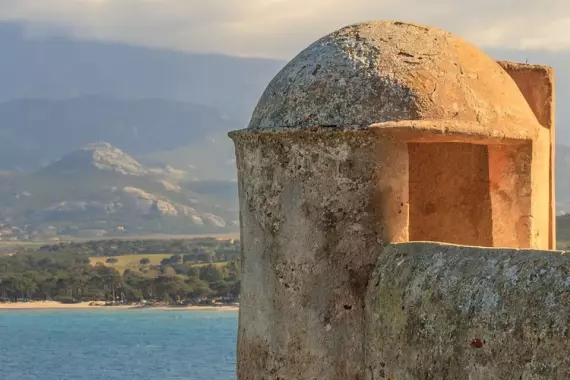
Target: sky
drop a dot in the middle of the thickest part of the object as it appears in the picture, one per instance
(281, 28)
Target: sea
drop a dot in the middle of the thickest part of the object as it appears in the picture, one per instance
(117, 345)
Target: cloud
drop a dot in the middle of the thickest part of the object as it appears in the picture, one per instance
(280, 28)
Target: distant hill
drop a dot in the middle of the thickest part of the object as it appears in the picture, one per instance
(101, 188)
(96, 156)
(59, 68)
(212, 158)
(563, 179)
(35, 132)
(161, 106)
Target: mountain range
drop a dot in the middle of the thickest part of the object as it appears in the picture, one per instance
(100, 190)
(62, 68)
(34, 132)
(167, 164)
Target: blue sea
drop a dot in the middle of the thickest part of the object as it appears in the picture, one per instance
(117, 345)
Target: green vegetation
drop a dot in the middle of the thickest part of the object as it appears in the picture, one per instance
(123, 271)
(125, 262)
(144, 261)
(200, 249)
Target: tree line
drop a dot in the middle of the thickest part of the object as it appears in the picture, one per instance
(66, 275)
(202, 249)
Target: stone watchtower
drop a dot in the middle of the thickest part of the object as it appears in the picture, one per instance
(381, 132)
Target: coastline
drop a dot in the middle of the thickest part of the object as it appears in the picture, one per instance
(53, 305)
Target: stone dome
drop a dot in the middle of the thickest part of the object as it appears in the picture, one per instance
(389, 71)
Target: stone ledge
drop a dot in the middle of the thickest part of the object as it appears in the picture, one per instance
(441, 311)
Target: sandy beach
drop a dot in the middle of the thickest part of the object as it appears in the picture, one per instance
(53, 305)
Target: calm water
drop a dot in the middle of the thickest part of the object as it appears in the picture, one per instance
(125, 345)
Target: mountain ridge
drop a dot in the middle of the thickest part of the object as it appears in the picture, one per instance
(58, 68)
(36, 132)
(108, 190)
(98, 155)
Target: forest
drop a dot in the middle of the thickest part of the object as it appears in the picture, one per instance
(195, 271)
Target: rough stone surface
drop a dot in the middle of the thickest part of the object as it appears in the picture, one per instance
(389, 71)
(308, 231)
(437, 311)
(417, 84)
(536, 83)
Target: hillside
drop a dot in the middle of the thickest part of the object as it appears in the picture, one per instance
(562, 179)
(60, 68)
(35, 132)
(99, 190)
(212, 158)
(161, 106)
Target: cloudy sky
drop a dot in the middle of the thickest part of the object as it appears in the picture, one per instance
(279, 28)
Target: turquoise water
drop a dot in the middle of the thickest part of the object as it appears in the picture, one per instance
(125, 345)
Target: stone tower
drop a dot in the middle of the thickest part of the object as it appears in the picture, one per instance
(381, 132)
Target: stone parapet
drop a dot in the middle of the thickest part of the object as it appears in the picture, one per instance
(441, 311)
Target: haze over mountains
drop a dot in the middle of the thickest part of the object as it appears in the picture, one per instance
(166, 112)
(100, 190)
(59, 68)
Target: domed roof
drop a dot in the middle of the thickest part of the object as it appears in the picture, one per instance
(389, 71)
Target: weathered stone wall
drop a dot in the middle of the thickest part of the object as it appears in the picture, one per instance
(314, 205)
(312, 210)
(510, 178)
(536, 83)
(450, 194)
(309, 231)
(438, 311)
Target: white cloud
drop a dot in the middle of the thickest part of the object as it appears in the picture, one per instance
(280, 28)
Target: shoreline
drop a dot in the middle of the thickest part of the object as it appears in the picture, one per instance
(53, 305)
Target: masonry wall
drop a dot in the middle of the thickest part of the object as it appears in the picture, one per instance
(510, 178)
(536, 83)
(438, 311)
(309, 228)
(450, 194)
